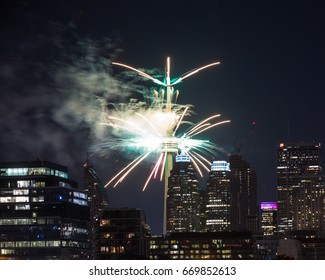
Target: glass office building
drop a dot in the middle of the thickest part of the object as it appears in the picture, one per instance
(183, 197)
(43, 215)
(300, 187)
(218, 197)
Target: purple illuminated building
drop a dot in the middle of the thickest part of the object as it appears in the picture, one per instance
(269, 216)
(269, 206)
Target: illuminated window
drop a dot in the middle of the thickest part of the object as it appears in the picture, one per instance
(54, 243)
(37, 244)
(80, 201)
(10, 199)
(6, 199)
(38, 199)
(106, 235)
(8, 244)
(40, 184)
(7, 251)
(104, 249)
(22, 244)
(130, 235)
(62, 174)
(37, 171)
(22, 199)
(80, 195)
(41, 221)
(104, 223)
(16, 171)
(20, 192)
(22, 207)
(25, 183)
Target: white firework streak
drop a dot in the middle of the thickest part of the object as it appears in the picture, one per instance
(151, 130)
(144, 132)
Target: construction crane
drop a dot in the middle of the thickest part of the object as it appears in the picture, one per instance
(238, 148)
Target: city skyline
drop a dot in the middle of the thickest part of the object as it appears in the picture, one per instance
(271, 72)
(37, 194)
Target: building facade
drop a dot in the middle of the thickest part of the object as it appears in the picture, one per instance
(43, 215)
(123, 234)
(183, 198)
(98, 202)
(308, 204)
(244, 208)
(300, 187)
(269, 218)
(203, 246)
(218, 198)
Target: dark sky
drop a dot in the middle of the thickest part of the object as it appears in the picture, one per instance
(55, 68)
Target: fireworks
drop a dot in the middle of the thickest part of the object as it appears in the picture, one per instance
(151, 129)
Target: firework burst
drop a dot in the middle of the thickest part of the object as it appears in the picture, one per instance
(152, 129)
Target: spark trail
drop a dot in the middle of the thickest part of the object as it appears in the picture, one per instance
(152, 129)
(150, 138)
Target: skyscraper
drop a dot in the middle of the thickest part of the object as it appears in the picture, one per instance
(183, 201)
(244, 208)
(269, 218)
(307, 202)
(98, 202)
(43, 215)
(218, 197)
(202, 209)
(300, 187)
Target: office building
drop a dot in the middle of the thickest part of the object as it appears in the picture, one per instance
(43, 215)
(203, 246)
(313, 249)
(307, 245)
(98, 202)
(307, 204)
(300, 187)
(123, 234)
(267, 247)
(202, 210)
(269, 218)
(218, 198)
(183, 199)
(244, 207)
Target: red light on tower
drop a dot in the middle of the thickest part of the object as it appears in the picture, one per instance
(281, 145)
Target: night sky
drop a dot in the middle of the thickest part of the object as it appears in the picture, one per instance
(55, 70)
